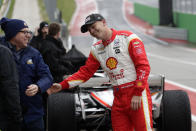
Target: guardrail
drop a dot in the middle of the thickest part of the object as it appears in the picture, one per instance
(170, 32)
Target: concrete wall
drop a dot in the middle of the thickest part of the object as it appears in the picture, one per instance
(182, 20)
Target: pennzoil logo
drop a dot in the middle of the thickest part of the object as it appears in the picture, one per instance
(117, 76)
(111, 63)
(101, 49)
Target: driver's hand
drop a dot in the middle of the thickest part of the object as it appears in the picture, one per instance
(56, 87)
(136, 102)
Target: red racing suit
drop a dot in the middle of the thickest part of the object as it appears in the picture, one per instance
(124, 60)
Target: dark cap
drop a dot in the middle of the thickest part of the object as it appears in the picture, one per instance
(43, 24)
(91, 19)
(12, 26)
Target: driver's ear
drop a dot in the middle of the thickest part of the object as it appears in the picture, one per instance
(104, 22)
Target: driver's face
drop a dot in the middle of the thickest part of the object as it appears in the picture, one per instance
(97, 29)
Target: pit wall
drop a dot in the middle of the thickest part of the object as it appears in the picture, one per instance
(182, 20)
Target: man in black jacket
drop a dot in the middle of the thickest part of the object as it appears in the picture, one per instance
(37, 41)
(53, 53)
(10, 110)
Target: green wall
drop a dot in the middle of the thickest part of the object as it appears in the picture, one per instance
(187, 21)
(182, 20)
(147, 13)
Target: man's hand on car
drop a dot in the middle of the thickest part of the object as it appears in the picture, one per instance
(136, 102)
(56, 87)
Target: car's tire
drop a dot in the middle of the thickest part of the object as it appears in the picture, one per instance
(176, 112)
(61, 112)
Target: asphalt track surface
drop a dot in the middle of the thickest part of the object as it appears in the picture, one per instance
(28, 11)
(177, 63)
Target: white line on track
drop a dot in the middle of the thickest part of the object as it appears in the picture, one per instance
(192, 50)
(181, 86)
(170, 59)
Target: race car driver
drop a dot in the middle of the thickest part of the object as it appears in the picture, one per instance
(122, 56)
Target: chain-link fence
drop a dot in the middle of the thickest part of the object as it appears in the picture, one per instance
(185, 6)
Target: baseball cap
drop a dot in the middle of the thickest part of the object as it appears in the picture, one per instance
(91, 19)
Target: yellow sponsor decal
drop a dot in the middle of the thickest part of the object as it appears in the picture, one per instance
(139, 83)
(111, 63)
(30, 61)
(25, 24)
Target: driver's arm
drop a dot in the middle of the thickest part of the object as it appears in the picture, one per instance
(138, 55)
(83, 74)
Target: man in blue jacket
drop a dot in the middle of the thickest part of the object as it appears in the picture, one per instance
(34, 75)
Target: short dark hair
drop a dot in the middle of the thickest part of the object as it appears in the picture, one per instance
(54, 29)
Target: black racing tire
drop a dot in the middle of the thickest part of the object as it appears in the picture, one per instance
(61, 112)
(176, 111)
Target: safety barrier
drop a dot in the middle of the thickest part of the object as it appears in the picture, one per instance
(183, 17)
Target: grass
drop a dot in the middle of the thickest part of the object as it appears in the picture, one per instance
(43, 12)
(67, 7)
(9, 14)
(1, 2)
